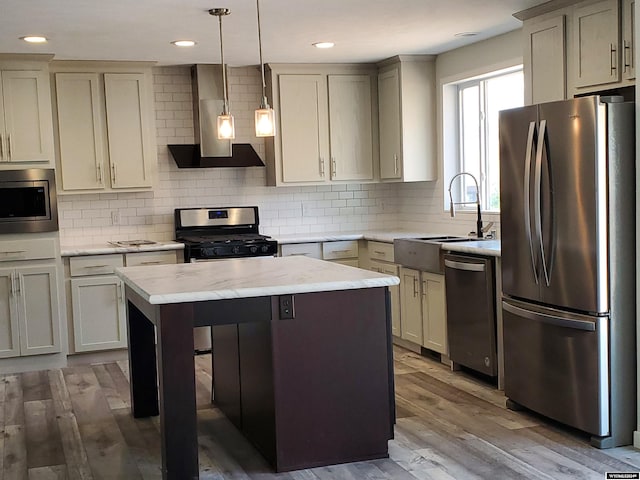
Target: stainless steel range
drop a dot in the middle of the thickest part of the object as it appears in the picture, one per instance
(216, 234)
(219, 233)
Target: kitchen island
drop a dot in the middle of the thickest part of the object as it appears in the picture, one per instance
(305, 362)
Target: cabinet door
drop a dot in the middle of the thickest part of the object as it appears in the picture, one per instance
(38, 312)
(434, 312)
(130, 152)
(628, 39)
(410, 305)
(544, 60)
(28, 132)
(80, 127)
(350, 131)
(389, 123)
(9, 337)
(99, 321)
(596, 44)
(304, 128)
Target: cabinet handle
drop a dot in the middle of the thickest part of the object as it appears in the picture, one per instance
(113, 173)
(156, 262)
(1, 147)
(298, 254)
(415, 287)
(424, 288)
(96, 266)
(341, 251)
(333, 167)
(321, 166)
(9, 147)
(99, 173)
(12, 287)
(13, 251)
(119, 287)
(627, 55)
(613, 57)
(18, 285)
(378, 252)
(395, 163)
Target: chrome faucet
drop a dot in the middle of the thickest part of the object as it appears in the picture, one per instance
(452, 211)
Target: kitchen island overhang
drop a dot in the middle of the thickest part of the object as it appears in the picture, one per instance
(315, 389)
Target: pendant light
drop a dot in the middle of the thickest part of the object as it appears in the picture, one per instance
(226, 127)
(265, 116)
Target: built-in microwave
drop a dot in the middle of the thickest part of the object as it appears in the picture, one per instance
(28, 201)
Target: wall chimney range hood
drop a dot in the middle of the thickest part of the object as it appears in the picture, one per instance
(209, 151)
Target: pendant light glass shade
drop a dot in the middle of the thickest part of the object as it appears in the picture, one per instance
(225, 123)
(265, 116)
(226, 127)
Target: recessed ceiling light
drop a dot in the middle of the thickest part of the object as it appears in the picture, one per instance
(466, 34)
(34, 39)
(183, 43)
(323, 44)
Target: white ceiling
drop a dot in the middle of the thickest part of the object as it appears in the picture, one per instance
(363, 30)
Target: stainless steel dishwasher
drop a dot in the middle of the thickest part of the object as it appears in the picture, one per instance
(471, 312)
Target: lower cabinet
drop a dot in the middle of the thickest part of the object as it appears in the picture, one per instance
(423, 307)
(390, 269)
(98, 306)
(29, 311)
(99, 321)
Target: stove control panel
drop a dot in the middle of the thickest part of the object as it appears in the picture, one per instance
(228, 250)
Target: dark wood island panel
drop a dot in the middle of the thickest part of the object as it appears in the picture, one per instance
(323, 376)
(313, 390)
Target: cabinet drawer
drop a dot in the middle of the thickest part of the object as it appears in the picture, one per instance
(12, 250)
(381, 251)
(341, 249)
(150, 258)
(385, 268)
(313, 250)
(95, 264)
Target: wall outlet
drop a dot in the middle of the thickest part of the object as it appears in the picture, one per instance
(115, 217)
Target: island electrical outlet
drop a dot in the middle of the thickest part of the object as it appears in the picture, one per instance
(286, 307)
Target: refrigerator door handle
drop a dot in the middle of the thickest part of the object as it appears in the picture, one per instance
(550, 319)
(527, 191)
(537, 194)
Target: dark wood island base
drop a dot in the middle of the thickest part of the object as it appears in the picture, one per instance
(312, 390)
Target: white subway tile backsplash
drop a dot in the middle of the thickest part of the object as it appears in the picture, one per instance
(86, 218)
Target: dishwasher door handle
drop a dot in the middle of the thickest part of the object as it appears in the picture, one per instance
(469, 267)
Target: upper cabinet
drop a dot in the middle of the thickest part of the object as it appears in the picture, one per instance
(628, 39)
(596, 44)
(326, 131)
(544, 60)
(104, 121)
(577, 48)
(26, 132)
(406, 101)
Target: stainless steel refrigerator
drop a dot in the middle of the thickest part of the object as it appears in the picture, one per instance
(567, 200)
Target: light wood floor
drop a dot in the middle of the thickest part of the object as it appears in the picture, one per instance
(75, 423)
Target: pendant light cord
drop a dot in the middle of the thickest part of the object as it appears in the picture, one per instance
(225, 107)
(264, 103)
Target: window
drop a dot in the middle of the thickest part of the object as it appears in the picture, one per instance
(477, 103)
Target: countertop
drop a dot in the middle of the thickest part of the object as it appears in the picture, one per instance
(246, 277)
(479, 247)
(105, 248)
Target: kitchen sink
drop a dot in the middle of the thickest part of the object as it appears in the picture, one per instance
(424, 253)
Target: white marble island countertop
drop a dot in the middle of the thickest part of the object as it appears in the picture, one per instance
(246, 277)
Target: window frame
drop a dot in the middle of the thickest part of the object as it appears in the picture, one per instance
(453, 148)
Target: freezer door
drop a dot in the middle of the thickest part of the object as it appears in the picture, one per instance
(520, 260)
(571, 176)
(556, 364)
